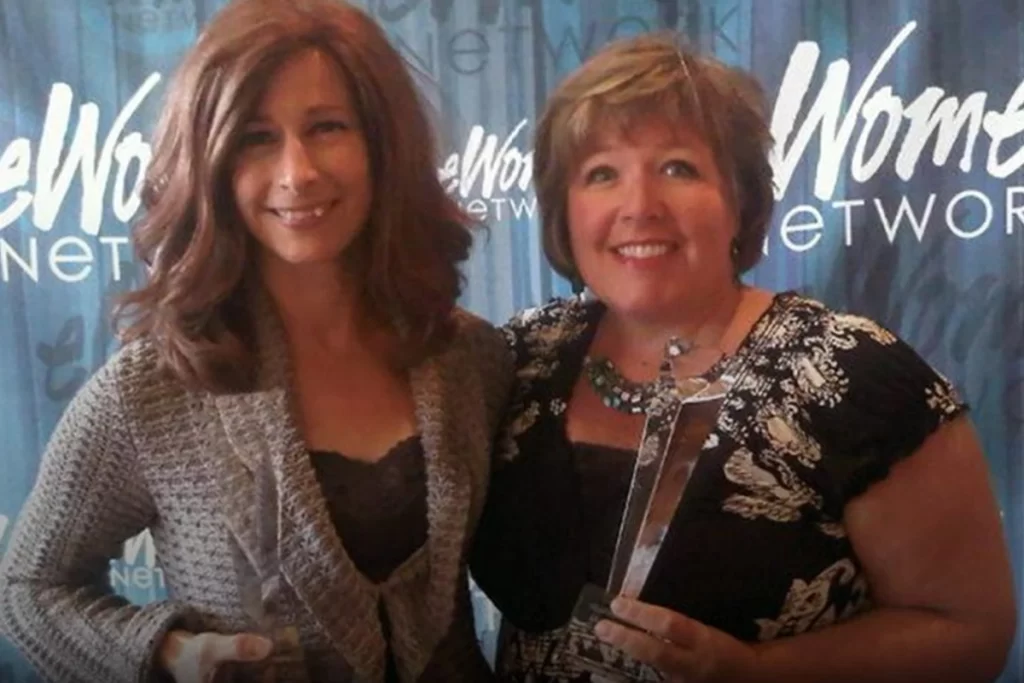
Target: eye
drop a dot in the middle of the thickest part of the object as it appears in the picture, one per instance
(329, 126)
(677, 168)
(255, 138)
(599, 174)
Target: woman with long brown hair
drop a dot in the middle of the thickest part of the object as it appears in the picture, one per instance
(301, 415)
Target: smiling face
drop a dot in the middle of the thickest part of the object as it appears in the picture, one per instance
(301, 177)
(650, 224)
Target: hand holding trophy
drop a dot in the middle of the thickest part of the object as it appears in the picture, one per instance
(679, 414)
(207, 657)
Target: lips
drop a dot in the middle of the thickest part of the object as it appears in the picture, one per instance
(302, 215)
(644, 250)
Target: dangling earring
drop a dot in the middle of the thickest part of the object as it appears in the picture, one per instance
(734, 256)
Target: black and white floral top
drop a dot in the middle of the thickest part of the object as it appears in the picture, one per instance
(822, 404)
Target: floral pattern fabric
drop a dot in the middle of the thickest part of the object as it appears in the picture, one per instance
(822, 404)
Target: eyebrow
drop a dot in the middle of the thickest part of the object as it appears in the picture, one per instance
(673, 146)
(316, 110)
(329, 109)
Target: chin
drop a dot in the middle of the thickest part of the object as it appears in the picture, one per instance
(642, 306)
(307, 258)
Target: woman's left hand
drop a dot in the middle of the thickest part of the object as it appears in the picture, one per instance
(682, 649)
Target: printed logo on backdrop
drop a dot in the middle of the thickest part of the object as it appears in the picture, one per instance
(143, 27)
(492, 176)
(503, 34)
(103, 168)
(879, 132)
(135, 575)
(80, 346)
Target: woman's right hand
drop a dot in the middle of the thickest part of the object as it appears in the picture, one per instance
(196, 657)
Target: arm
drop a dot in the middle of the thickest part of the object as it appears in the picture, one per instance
(930, 541)
(523, 556)
(55, 601)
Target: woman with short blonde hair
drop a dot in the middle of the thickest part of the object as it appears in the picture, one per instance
(834, 520)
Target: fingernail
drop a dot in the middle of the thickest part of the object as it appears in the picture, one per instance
(602, 630)
(256, 647)
(618, 606)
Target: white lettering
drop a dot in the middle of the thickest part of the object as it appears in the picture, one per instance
(132, 148)
(482, 160)
(846, 205)
(905, 210)
(969, 234)
(814, 226)
(83, 256)
(1003, 126)
(498, 203)
(9, 254)
(882, 102)
(54, 175)
(142, 577)
(824, 113)
(15, 164)
(927, 114)
(119, 578)
(60, 255)
(115, 243)
(478, 209)
(124, 578)
(932, 116)
(1013, 210)
(524, 207)
(144, 542)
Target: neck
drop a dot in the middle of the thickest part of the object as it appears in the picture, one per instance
(316, 303)
(705, 324)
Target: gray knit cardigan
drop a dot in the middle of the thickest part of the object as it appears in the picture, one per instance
(134, 450)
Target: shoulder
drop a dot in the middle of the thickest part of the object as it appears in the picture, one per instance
(804, 327)
(540, 332)
(869, 398)
(854, 373)
(480, 347)
(837, 323)
(558, 314)
(479, 341)
(478, 366)
(470, 329)
(797, 318)
(125, 394)
(133, 379)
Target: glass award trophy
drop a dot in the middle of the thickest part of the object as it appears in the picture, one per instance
(679, 418)
(260, 583)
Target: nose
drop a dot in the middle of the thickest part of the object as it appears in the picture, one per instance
(296, 166)
(641, 200)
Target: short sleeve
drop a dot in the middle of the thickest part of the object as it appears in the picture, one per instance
(890, 401)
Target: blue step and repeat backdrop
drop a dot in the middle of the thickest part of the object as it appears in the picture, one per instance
(898, 126)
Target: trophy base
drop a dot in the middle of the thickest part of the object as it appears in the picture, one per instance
(602, 661)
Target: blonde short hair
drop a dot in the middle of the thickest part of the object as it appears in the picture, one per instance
(655, 76)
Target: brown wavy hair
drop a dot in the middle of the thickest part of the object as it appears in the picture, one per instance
(656, 75)
(194, 305)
